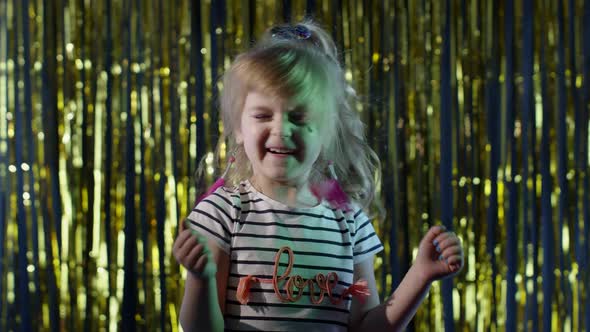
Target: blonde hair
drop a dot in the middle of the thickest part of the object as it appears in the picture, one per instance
(301, 69)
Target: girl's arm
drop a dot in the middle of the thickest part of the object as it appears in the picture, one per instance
(203, 303)
(397, 311)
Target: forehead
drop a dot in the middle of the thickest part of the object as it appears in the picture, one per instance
(256, 100)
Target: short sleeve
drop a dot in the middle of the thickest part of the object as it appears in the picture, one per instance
(366, 242)
(214, 217)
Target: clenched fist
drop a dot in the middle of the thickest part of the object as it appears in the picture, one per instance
(190, 250)
(440, 254)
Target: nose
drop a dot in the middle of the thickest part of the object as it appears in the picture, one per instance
(282, 127)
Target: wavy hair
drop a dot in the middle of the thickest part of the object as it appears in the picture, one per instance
(305, 69)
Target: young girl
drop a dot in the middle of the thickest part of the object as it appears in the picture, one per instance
(284, 244)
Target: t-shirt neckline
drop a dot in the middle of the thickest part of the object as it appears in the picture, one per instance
(282, 205)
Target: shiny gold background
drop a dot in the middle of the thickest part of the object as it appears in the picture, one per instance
(55, 175)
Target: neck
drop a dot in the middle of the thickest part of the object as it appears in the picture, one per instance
(290, 194)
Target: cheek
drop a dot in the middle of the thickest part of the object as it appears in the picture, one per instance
(315, 131)
(255, 140)
(314, 142)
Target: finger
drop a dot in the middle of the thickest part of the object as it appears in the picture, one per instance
(455, 264)
(188, 227)
(446, 240)
(455, 260)
(187, 246)
(433, 232)
(180, 240)
(440, 241)
(194, 255)
(200, 265)
(452, 251)
(455, 267)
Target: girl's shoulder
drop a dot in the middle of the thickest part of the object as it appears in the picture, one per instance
(355, 212)
(230, 192)
(225, 196)
(235, 194)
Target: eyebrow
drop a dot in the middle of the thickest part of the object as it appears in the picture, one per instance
(264, 108)
(299, 108)
(257, 108)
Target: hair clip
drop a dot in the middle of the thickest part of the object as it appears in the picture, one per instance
(331, 191)
(298, 32)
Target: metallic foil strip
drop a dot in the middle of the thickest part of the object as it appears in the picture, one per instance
(81, 109)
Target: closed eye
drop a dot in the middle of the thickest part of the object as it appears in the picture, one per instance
(262, 116)
(298, 117)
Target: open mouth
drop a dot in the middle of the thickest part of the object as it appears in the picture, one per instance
(281, 151)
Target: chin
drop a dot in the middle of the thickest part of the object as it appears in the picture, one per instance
(281, 179)
(277, 177)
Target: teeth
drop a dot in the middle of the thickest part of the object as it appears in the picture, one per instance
(281, 150)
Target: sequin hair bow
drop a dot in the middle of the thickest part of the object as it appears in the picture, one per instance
(331, 191)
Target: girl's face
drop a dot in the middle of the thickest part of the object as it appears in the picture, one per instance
(282, 140)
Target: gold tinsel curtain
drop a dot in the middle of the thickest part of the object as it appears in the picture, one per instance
(477, 108)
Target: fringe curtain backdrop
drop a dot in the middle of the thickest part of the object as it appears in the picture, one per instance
(478, 110)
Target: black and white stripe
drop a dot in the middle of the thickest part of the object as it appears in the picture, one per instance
(251, 228)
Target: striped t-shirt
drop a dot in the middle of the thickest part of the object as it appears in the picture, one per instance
(252, 227)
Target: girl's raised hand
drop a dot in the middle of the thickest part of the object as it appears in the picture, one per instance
(440, 254)
(190, 250)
